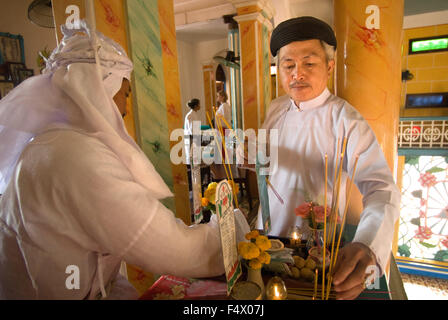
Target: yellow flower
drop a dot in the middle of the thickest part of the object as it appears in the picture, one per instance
(210, 192)
(234, 186)
(204, 202)
(248, 250)
(255, 264)
(264, 257)
(263, 243)
(252, 235)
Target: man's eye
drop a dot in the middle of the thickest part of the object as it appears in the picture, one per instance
(309, 64)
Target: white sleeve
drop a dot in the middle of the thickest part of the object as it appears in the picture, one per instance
(98, 195)
(381, 197)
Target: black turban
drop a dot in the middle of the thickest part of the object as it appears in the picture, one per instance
(299, 29)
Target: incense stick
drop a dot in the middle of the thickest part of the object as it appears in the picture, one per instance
(334, 211)
(325, 227)
(226, 160)
(315, 285)
(345, 210)
(275, 192)
(216, 140)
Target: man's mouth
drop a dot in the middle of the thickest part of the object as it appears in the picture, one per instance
(298, 86)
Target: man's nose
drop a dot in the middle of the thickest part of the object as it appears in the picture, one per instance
(298, 73)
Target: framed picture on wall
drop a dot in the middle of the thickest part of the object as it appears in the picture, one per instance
(11, 48)
(25, 74)
(5, 87)
(13, 71)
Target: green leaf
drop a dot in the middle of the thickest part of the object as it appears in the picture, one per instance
(435, 169)
(412, 160)
(427, 245)
(403, 250)
(416, 221)
(441, 255)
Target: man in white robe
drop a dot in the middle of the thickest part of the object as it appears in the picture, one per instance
(310, 120)
(79, 196)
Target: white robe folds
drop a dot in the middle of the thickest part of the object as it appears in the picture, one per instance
(225, 111)
(306, 134)
(72, 202)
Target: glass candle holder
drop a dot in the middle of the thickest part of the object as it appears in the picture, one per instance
(295, 236)
(276, 289)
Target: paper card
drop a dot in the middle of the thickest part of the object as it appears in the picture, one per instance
(264, 199)
(226, 218)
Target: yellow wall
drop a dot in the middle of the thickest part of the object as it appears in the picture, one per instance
(430, 71)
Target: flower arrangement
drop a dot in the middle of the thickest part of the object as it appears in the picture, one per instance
(208, 200)
(314, 213)
(254, 251)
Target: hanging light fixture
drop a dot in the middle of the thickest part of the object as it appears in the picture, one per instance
(40, 12)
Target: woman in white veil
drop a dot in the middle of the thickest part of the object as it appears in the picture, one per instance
(78, 193)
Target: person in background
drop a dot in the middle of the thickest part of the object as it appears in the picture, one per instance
(79, 195)
(192, 115)
(224, 109)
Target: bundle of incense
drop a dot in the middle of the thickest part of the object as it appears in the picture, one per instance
(334, 209)
(325, 228)
(226, 161)
(228, 176)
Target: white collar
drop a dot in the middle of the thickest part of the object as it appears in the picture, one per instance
(311, 104)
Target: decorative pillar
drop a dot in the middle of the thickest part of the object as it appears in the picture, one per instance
(253, 18)
(369, 65)
(368, 71)
(153, 49)
(235, 75)
(209, 89)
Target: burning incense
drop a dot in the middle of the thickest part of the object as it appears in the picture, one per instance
(325, 226)
(275, 192)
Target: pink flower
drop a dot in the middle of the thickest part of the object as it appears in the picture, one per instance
(422, 202)
(319, 213)
(423, 233)
(445, 241)
(303, 210)
(427, 179)
(422, 214)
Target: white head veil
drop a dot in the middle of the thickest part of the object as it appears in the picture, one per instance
(75, 92)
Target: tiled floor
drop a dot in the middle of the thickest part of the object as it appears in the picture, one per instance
(425, 288)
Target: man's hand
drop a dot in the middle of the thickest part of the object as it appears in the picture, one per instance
(349, 275)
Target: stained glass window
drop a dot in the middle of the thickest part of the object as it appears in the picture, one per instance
(423, 231)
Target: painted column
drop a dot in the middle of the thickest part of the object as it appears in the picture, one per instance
(253, 18)
(369, 34)
(156, 88)
(235, 80)
(369, 64)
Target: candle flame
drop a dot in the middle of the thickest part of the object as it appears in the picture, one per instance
(277, 294)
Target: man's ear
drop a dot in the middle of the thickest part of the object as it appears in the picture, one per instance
(331, 64)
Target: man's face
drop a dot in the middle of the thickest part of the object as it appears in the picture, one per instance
(304, 70)
(122, 95)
